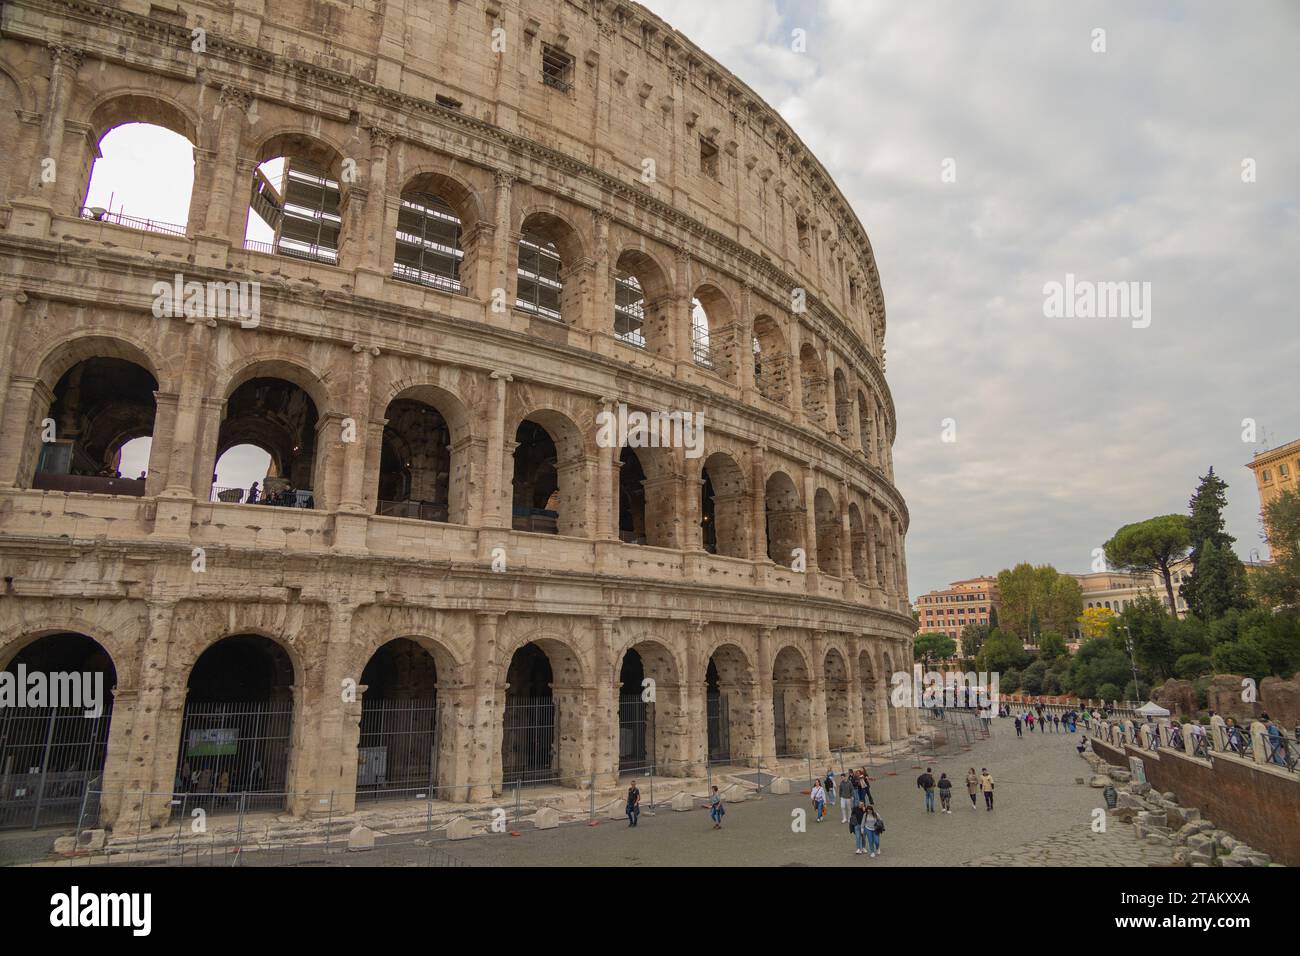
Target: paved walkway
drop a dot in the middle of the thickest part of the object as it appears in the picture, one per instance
(1041, 818)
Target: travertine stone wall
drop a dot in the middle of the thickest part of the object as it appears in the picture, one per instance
(448, 96)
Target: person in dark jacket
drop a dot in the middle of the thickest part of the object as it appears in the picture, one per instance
(926, 782)
(846, 797)
(633, 804)
(945, 793)
(1018, 733)
(857, 829)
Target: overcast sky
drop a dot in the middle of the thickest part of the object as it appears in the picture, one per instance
(1115, 166)
(1122, 166)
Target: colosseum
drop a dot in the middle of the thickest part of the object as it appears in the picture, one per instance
(430, 249)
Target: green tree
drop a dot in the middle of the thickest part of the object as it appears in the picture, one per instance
(1110, 691)
(1240, 657)
(1051, 646)
(1278, 584)
(1003, 651)
(1099, 661)
(1218, 578)
(1034, 599)
(973, 637)
(1032, 679)
(1150, 627)
(933, 646)
(1154, 545)
(1193, 665)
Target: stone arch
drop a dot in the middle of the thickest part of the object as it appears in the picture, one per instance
(424, 455)
(543, 740)
(19, 96)
(857, 542)
(812, 374)
(866, 426)
(871, 698)
(651, 733)
(896, 716)
(548, 258)
(839, 724)
(548, 472)
(785, 518)
(305, 210)
(843, 404)
(643, 301)
(713, 330)
(730, 705)
(771, 360)
(792, 718)
(724, 506)
(826, 514)
(437, 227)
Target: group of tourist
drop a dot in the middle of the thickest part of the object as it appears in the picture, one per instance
(857, 807)
(976, 783)
(1044, 722)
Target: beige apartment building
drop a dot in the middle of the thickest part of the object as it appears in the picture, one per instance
(949, 610)
(489, 225)
(1276, 471)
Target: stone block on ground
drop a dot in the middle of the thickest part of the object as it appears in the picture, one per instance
(459, 829)
(1099, 781)
(683, 801)
(546, 818)
(93, 839)
(780, 786)
(737, 795)
(65, 845)
(361, 838)
(1153, 818)
(1120, 776)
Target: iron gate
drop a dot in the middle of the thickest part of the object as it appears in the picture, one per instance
(49, 756)
(719, 729)
(635, 725)
(397, 753)
(232, 749)
(528, 752)
(778, 723)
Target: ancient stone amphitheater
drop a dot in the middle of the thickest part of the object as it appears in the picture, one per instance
(427, 246)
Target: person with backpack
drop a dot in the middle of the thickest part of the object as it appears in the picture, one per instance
(874, 827)
(972, 786)
(1018, 730)
(986, 785)
(828, 784)
(926, 782)
(846, 798)
(819, 799)
(857, 829)
(945, 793)
(716, 809)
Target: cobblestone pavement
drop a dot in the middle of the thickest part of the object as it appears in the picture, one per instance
(1042, 817)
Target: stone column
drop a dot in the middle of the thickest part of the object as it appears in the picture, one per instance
(810, 524)
(65, 62)
(745, 346)
(759, 502)
(485, 739)
(857, 722)
(496, 504)
(601, 301)
(821, 737)
(11, 321)
(696, 747)
(680, 323)
(765, 727)
(230, 134)
(604, 767)
(500, 293)
(376, 240)
(180, 468)
(799, 415)
(142, 768)
(846, 538)
(353, 494)
(606, 490)
(336, 732)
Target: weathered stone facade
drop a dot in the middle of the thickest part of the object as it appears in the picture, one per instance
(797, 444)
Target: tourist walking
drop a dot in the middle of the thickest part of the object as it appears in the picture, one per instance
(716, 809)
(819, 799)
(986, 785)
(1018, 732)
(972, 785)
(945, 793)
(874, 826)
(857, 829)
(829, 785)
(633, 804)
(846, 798)
(926, 782)
(863, 786)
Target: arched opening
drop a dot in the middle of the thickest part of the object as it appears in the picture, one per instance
(813, 376)
(278, 417)
(701, 345)
(536, 481)
(549, 475)
(878, 544)
(297, 205)
(631, 498)
(528, 750)
(843, 405)
(236, 730)
(866, 423)
(723, 525)
(428, 249)
(636, 744)
(827, 517)
(101, 405)
(142, 178)
(868, 691)
(641, 293)
(729, 697)
(548, 246)
(784, 519)
(54, 742)
(858, 543)
(771, 360)
(415, 463)
(791, 704)
(839, 726)
(398, 748)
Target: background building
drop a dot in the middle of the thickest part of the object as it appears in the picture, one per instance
(1276, 471)
(949, 610)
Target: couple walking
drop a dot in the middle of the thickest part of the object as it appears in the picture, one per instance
(866, 826)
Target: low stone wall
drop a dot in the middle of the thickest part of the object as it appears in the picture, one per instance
(1257, 803)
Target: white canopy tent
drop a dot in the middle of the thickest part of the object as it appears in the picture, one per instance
(1152, 709)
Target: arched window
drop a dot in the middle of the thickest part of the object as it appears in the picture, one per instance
(629, 309)
(540, 284)
(428, 242)
(701, 350)
(142, 178)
